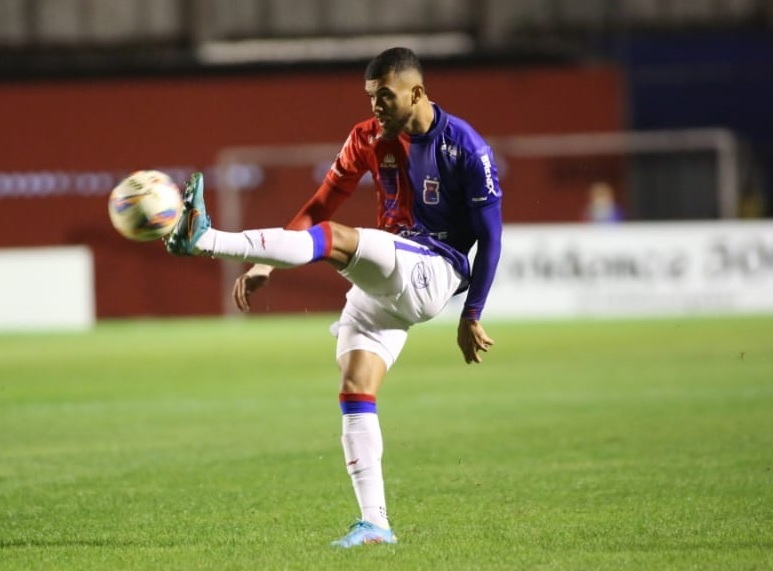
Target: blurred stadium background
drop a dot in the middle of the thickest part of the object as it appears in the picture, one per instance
(665, 103)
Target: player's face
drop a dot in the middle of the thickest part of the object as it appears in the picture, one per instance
(391, 99)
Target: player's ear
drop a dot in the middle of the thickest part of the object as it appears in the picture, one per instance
(416, 93)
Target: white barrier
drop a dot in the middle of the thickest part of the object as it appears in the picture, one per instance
(48, 288)
(633, 269)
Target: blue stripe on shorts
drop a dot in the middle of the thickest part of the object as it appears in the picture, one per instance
(415, 249)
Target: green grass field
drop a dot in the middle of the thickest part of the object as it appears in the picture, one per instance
(207, 444)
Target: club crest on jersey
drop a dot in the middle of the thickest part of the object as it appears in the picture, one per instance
(431, 191)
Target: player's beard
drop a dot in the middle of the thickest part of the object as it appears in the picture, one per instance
(392, 127)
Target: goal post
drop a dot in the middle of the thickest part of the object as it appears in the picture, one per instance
(722, 142)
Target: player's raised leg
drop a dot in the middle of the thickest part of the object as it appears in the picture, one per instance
(193, 235)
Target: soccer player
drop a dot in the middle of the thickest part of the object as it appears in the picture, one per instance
(438, 195)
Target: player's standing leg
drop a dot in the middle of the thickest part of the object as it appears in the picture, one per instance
(362, 373)
(382, 305)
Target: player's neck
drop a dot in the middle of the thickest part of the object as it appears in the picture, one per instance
(422, 120)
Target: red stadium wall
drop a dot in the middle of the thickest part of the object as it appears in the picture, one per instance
(120, 125)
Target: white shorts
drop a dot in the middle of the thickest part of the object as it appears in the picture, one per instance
(396, 283)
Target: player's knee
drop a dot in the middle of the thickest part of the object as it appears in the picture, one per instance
(345, 238)
(345, 242)
(361, 372)
(359, 380)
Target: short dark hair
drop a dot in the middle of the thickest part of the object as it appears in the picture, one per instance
(393, 59)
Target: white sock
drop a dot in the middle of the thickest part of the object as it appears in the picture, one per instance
(273, 246)
(363, 447)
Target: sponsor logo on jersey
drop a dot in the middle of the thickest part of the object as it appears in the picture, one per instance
(489, 178)
(490, 186)
(450, 150)
(388, 162)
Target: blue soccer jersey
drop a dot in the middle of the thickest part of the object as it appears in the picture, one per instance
(439, 189)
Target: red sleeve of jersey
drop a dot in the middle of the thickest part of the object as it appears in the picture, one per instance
(340, 182)
(319, 208)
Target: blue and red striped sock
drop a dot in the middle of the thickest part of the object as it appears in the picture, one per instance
(357, 403)
(322, 238)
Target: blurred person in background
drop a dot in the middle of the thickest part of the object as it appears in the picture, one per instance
(601, 206)
(438, 194)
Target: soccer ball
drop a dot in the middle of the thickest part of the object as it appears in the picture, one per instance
(145, 205)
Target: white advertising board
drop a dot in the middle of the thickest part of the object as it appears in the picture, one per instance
(633, 269)
(49, 288)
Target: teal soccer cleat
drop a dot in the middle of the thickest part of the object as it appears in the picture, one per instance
(365, 533)
(193, 222)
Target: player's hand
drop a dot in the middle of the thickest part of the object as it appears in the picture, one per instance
(472, 339)
(253, 279)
